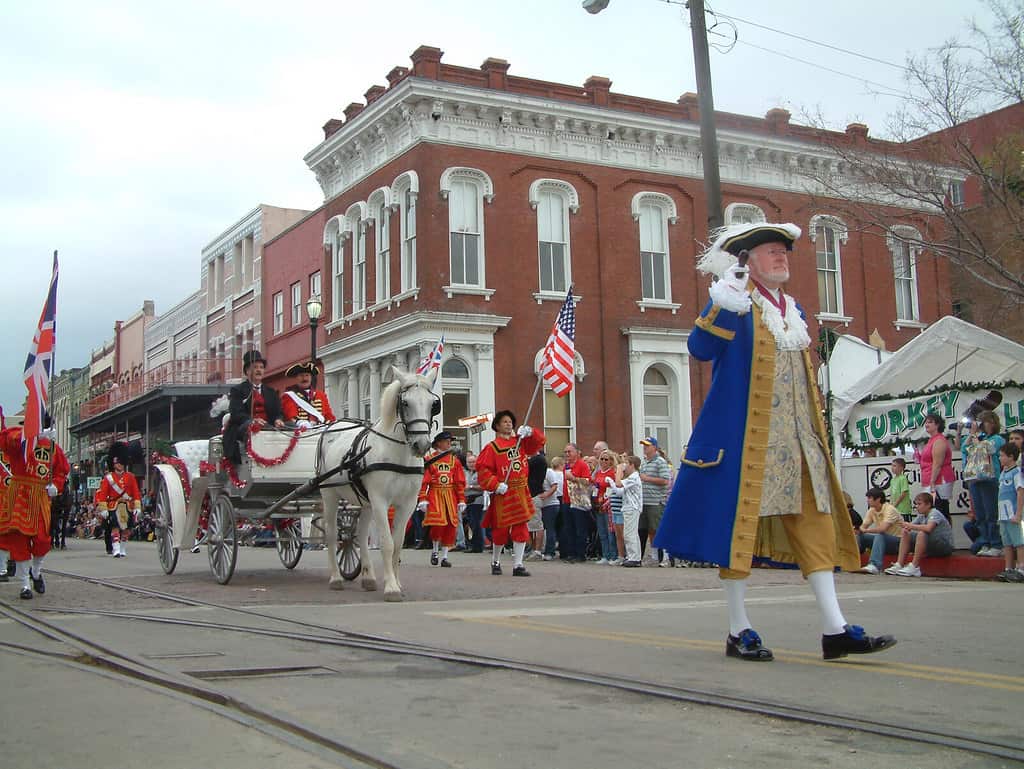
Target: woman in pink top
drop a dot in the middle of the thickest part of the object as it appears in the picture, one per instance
(936, 460)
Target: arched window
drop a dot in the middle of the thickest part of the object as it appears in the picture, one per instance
(743, 213)
(456, 402)
(657, 405)
(905, 245)
(356, 219)
(828, 233)
(379, 205)
(334, 240)
(454, 368)
(404, 191)
(653, 212)
(466, 189)
(553, 199)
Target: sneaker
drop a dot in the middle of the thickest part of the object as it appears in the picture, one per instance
(548, 557)
(992, 552)
(631, 564)
(1004, 576)
(195, 548)
(615, 562)
(895, 568)
(1015, 575)
(664, 564)
(909, 571)
(869, 569)
(602, 562)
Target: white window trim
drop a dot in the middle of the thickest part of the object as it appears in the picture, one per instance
(555, 185)
(896, 236)
(334, 239)
(656, 304)
(733, 209)
(485, 189)
(380, 198)
(555, 296)
(408, 181)
(842, 235)
(278, 312)
(570, 200)
(656, 199)
(357, 216)
(668, 206)
(296, 307)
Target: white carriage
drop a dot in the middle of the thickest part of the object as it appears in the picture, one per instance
(197, 501)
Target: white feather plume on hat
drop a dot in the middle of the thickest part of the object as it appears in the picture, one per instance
(716, 259)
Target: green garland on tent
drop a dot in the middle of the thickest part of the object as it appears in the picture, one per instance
(966, 386)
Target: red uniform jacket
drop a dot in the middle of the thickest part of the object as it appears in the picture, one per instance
(443, 489)
(24, 503)
(315, 398)
(515, 505)
(108, 496)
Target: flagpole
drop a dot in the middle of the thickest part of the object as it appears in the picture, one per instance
(526, 421)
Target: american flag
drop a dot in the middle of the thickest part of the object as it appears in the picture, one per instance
(38, 366)
(558, 365)
(433, 360)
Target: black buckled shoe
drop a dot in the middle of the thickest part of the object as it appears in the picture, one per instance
(445, 563)
(747, 646)
(853, 640)
(495, 568)
(520, 571)
(26, 594)
(433, 559)
(37, 583)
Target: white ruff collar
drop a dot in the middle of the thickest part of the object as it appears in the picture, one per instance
(790, 333)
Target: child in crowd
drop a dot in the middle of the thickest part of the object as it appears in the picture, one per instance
(929, 534)
(1017, 439)
(628, 486)
(899, 488)
(1010, 506)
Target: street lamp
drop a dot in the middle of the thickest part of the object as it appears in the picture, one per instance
(314, 308)
(706, 103)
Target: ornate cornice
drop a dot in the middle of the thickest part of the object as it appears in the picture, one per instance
(250, 224)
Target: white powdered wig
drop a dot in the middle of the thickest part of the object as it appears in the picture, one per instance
(716, 260)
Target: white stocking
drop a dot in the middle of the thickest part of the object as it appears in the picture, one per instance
(444, 553)
(518, 548)
(497, 553)
(735, 594)
(823, 583)
(37, 566)
(21, 571)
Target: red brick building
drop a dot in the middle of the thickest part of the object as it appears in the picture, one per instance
(465, 201)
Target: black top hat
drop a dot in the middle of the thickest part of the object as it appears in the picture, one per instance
(444, 435)
(499, 415)
(252, 356)
(309, 367)
(756, 236)
(118, 451)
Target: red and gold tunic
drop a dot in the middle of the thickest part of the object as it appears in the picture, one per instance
(315, 398)
(443, 489)
(515, 505)
(119, 487)
(25, 506)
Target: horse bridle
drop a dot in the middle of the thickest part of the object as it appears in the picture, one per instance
(407, 424)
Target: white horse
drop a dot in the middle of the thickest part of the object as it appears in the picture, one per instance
(384, 467)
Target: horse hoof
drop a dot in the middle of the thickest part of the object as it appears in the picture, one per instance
(337, 584)
(369, 584)
(393, 597)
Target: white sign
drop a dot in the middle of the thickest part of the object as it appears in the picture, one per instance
(901, 420)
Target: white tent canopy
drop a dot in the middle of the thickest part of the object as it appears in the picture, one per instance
(948, 351)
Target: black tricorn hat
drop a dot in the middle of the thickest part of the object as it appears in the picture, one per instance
(118, 451)
(309, 367)
(252, 356)
(499, 415)
(756, 236)
(444, 435)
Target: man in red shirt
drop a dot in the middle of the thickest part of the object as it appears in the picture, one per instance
(302, 403)
(576, 501)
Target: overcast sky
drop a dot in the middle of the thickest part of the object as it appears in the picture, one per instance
(131, 134)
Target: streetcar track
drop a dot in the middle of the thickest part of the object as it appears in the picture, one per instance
(343, 638)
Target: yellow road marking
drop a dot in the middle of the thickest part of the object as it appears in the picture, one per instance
(908, 670)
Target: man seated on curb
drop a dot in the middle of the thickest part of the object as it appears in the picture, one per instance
(929, 534)
(880, 530)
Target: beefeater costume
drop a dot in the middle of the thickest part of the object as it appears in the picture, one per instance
(306, 406)
(442, 497)
(510, 508)
(28, 488)
(119, 498)
(756, 481)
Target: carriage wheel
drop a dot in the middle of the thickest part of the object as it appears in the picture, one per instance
(165, 548)
(348, 559)
(222, 539)
(288, 536)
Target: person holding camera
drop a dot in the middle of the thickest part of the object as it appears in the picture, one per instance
(979, 449)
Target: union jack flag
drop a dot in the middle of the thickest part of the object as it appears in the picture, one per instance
(558, 365)
(433, 360)
(38, 366)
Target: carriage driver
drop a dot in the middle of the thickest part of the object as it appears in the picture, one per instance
(302, 404)
(442, 496)
(250, 401)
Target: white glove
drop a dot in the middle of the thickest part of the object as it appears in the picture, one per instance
(51, 490)
(422, 507)
(104, 514)
(461, 508)
(501, 489)
(303, 424)
(730, 291)
(525, 431)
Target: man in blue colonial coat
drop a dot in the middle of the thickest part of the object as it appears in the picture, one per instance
(757, 480)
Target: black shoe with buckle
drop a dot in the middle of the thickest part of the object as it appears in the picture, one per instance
(495, 568)
(37, 583)
(433, 558)
(26, 594)
(853, 640)
(445, 563)
(747, 646)
(520, 571)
